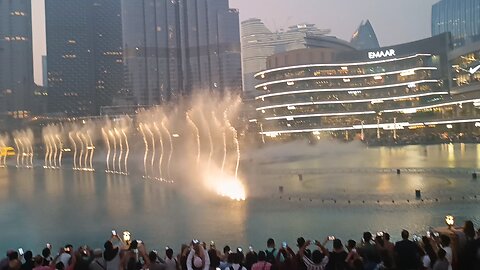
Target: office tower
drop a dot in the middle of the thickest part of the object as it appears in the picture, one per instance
(259, 42)
(176, 47)
(16, 58)
(365, 38)
(459, 17)
(84, 55)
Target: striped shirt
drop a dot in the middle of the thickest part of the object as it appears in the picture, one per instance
(312, 266)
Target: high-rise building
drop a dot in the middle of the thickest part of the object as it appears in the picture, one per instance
(364, 37)
(16, 58)
(459, 17)
(176, 47)
(258, 43)
(84, 55)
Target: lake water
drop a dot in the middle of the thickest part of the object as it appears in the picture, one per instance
(343, 192)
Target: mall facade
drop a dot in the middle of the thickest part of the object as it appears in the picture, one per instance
(388, 93)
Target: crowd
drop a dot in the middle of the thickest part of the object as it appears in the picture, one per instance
(455, 249)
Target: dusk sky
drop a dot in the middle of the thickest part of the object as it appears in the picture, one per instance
(394, 21)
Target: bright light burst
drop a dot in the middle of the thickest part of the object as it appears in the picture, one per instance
(226, 186)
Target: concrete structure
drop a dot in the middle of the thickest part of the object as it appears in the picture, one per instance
(16, 59)
(84, 54)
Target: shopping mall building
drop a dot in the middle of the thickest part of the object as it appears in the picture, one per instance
(392, 93)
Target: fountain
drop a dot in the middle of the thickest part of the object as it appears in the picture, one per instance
(194, 139)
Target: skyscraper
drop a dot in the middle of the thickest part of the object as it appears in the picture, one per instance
(175, 47)
(16, 58)
(258, 43)
(460, 17)
(365, 38)
(84, 55)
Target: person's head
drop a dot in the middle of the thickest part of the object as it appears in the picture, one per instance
(46, 252)
(300, 242)
(351, 244)
(237, 258)
(59, 266)
(317, 257)
(133, 245)
(28, 255)
(469, 230)
(251, 258)
(108, 245)
(441, 254)
(169, 253)
(226, 249)
(230, 257)
(270, 243)
(337, 244)
(405, 234)
(262, 256)
(367, 237)
(386, 236)
(12, 256)
(445, 240)
(38, 260)
(379, 240)
(152, 256)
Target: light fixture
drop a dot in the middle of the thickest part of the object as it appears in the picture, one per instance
(450, 220)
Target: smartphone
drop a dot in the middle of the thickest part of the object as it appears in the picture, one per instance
(436, 234)
(139, 241)
(49, 246)
(114, 233)
(380, 234)
(429, 234)
(284, 244)
(195, 241)
(239, 249)
(314, 242)
(167, 248)
(20, 251)
(331, 238)
(250, 248)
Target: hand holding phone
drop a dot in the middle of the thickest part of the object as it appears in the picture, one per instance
(331, 238)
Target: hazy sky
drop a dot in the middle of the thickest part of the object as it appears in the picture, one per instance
(394, 21)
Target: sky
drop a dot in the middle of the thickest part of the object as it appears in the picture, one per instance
(394, 21)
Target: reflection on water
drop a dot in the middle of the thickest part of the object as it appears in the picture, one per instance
(64, 205)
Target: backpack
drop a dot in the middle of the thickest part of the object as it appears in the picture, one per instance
(270, 257)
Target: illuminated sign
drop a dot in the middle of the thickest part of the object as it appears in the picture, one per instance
(474, 70)
(381, 54)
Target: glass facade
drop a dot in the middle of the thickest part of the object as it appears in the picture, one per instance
(459, 17)
(16, 58)
(411, 89)
(84, 55)
(365, 38)
(174, 48)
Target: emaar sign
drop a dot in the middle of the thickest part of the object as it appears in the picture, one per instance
(381, 54)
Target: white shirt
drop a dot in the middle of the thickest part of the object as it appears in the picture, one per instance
(171, 263)
(311, 266)
(426, 262)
